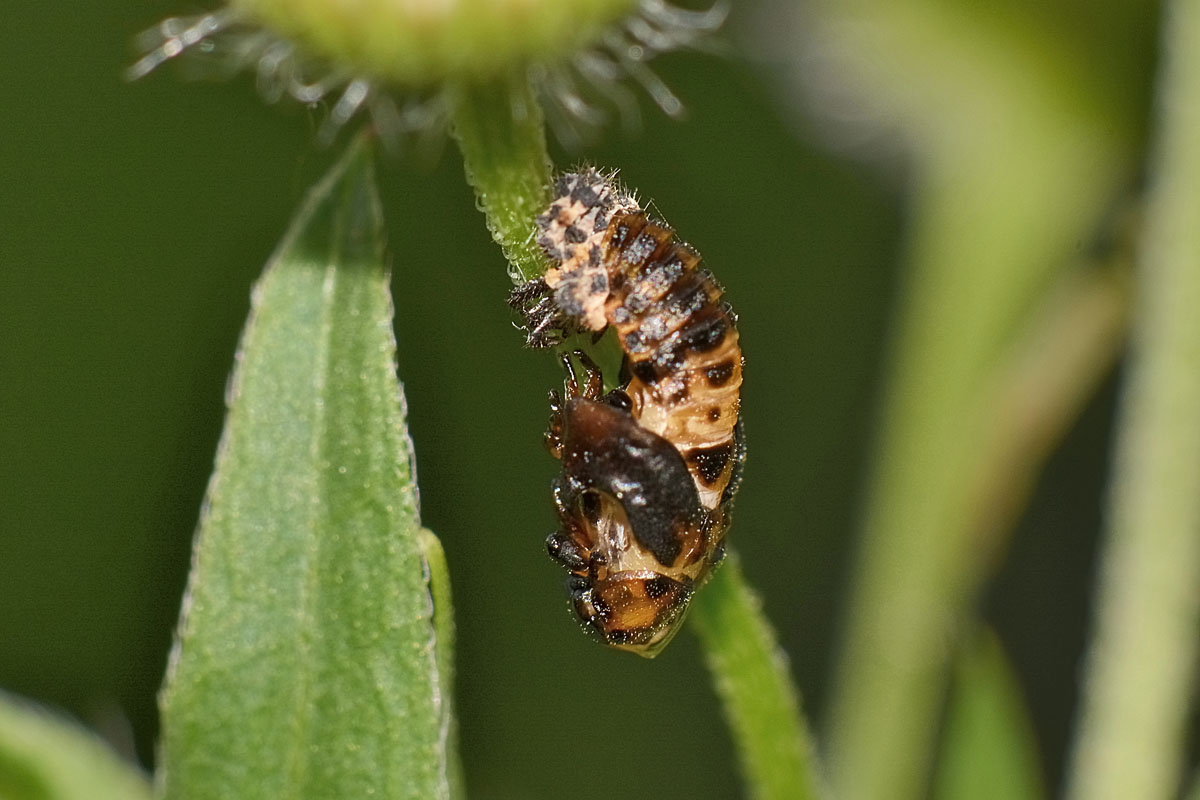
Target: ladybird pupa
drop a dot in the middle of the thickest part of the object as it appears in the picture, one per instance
(650, 469)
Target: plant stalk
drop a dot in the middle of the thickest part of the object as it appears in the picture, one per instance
(1142, 666)
(501, 132)
(751, 676)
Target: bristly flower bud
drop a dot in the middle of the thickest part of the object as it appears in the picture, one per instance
(393, 56)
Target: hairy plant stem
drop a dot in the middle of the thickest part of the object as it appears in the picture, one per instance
(1142, 667)
(502, 136)
(750, 674)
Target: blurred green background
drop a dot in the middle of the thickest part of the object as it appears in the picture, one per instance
(133, 221)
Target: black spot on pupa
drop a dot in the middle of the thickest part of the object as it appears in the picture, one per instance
(585, 194)
(618, 399)
(603, 609)
(705, 333)
(719, 374)
(619, 636)
(657, 587)
(687, 298)
(645, 372)
(669, 360)
(590, 505)
(710, 461)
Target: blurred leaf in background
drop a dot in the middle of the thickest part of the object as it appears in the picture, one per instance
(988, 747)
(44, 756)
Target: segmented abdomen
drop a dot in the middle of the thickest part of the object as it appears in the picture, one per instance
(681, 347)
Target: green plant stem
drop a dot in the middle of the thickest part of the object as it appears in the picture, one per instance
(1141, 669)
(751, 677)
(501, 132)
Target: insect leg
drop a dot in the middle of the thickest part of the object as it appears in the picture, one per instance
(595, 378)
(571, 384)
(554, 432)
(566, 552)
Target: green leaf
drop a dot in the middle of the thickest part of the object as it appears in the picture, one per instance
(751, 677)
(44, 756)
(443, 622)
(988, 749)
(307, 664)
